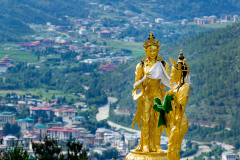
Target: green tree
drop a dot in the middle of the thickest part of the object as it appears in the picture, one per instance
(11, 129)
(75, 151)
(16, 152)
(7, 129)
(48, 150)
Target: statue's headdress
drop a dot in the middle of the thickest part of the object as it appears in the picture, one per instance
(181, 64)
(151, 41)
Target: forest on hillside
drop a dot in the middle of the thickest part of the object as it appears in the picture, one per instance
(214, 65)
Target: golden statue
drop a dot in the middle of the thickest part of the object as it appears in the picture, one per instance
(151, 75)
(177, 120)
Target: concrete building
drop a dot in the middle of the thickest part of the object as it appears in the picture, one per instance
(159, 20)
(54, 124)
(8, 140)
(90, 138)
(101, 131)
(235, 18)
(107, 67)
(8, 117)
(65, 113)
(28, 137)
(39, 111)
(104, 34)
(62, 133)
(98, 141)
(26, 123)
(184, 22)
(2, 123)
(83, 32)
(227, 18)
(229, 156)
(41, 129)
(129, 39)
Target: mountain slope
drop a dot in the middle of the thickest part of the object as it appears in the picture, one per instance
(12, 29)
(214, 59)
(42, 11)
(15, 14)
(175, 9)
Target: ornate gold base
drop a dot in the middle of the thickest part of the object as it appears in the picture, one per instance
(136, 155)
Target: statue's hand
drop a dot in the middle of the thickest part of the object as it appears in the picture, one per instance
(148, 73)
(171, 93)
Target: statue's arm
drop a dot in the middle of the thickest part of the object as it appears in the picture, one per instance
(138, 74)
(138, 81)
(183, 96)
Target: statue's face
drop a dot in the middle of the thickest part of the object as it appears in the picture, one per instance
(152, 51)
(175, 74)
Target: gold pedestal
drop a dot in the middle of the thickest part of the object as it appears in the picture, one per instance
(136, 155)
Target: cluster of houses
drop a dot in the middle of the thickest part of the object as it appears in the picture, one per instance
(204, 20)
(213, 19)
(61, 122)
(62, 39)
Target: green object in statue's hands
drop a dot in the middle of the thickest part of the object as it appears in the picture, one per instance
(166, 107)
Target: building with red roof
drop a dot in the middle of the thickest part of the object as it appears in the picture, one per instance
(66, 113)
(107, 67)
(31, 45)
(62, 133)
(40, 111)
(48, 42)
(104, 34)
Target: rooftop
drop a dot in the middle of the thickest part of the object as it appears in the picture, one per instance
(61, 129)
(40, 108)
(54, 122)
(229, 153)
(28, 119)
(61, 110)
(7, 114)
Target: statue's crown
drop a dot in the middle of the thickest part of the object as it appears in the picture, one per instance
(181, 64)
(151, 42)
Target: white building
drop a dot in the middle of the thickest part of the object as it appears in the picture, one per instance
(8, 117)
(25, 123)
(129, 39)
(66, 114)
(83, 32)
(62, 133)
(184, 22)
(229, 156)
(159, 20)
(235, 18)
(8, 140)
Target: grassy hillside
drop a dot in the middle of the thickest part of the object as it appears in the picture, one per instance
(15, 14)
(214, 60)
(54, 11)
(42, 11)
(12, 29)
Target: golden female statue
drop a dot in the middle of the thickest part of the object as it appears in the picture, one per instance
(177, 120)
(150, 77)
